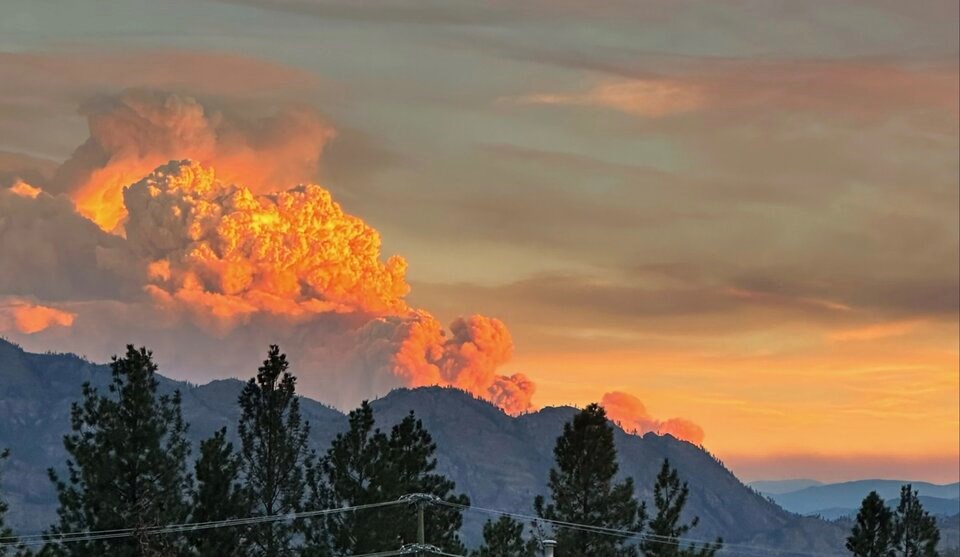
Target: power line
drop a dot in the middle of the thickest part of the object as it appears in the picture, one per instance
(94, 535)
(727, 547)
(87, 536)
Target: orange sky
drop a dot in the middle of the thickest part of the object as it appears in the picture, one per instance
(753, 229)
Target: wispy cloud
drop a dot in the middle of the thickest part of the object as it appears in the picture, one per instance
(646, 98)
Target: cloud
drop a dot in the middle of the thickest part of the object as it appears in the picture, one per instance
(416, 350)
(857, 89)
(24, 189)
(19, 168)
(212, 271)
(645, 98)
(38, 105)
(222, 252)
(136, 131)
(49, 251)
(631, 414)
(28, 318)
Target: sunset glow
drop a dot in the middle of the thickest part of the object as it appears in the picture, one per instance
(748, 240)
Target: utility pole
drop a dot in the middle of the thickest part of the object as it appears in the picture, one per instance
(420, 529)
(421, 548)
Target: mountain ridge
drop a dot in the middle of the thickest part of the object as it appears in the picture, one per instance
(838, 499)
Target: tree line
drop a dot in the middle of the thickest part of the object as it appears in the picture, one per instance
(128, 485)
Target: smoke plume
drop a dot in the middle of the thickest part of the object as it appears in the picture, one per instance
(17, 315)
(628, 411)
(225, 252)
(222, 252)
(137, 131)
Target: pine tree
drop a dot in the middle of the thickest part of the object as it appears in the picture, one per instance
(410, 467)
(127, 466)
(365, 466)
(6, 535)
(504, 538)
(873, 533)
(349, 472)
(273, 454)
(218, 496)
(583, 490)
(917, 534)
(666, 530)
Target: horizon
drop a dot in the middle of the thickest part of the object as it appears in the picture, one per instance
(733, 223)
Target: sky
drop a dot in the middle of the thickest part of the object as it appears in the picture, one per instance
(733, 221)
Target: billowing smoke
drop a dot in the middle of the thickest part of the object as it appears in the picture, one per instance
(212, 258)
(415, 348)
(23, 316)
(222, 255)
(628, 411)
(222, 252)
(134, 132)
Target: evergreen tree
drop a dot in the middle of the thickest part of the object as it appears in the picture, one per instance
(349, 472)
(583, 490)
(365, 466)
(873, 533)
(273, 454)
(410, 467)
(218, 496)
(666, 530)
(504, 538)
(917, 534)
(6, 535)
(127, 466)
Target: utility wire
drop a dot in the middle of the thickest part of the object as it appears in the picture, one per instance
(94, 535)
(727, 547)
(70, 537)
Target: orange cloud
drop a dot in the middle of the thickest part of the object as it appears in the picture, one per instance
(469, 359)
(415, 348)
(682, 429)
(223, 253)
(28, 318)
(232, 262)
(630, 412)
(240, 256)
(24, 189)
(137, 131)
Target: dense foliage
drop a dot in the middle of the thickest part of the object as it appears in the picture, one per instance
(366, 466)
(504, 538)
(218, 496)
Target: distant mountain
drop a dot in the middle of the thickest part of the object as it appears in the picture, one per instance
(934, 505)
(500, 461)
(839, 499)
(775, 487)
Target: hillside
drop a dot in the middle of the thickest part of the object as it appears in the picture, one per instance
(499, 461)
